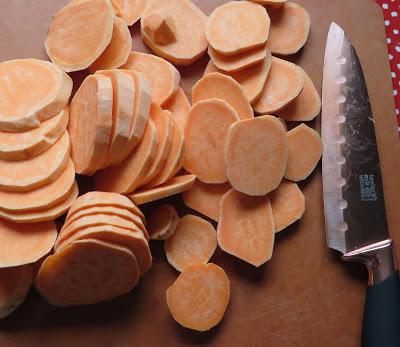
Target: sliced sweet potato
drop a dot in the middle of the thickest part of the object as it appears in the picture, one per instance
(79, 33)
(175, 30)
(251, 79)
(40, 198)
(78, 274)
(43, 215)
(290, 26)
(284, 83)
(223, 87)
(90, 123)
(28, 144)
(305, 151)
(240, 61)
(194, 242)
(283, 122)
(174, 159)
(179, 106)
(246, 227)
(126, 177)
(25, 243)
(31, 91)
(206, 198)
(163, 76)
(163, 123)
(163, 221)
(306, 106)
(117, 52)
(14, 285)
(288, 204)
(270, 4)
(122, 114)
(199, 297)
(175, 185)
(256, 155)
(205, 136)
(130, 11)
(24, 175)
(237, 26)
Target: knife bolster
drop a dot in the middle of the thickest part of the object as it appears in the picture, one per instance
(379, 258)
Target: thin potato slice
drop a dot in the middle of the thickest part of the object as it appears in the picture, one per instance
(179, 106)
(130, 11)
(163, 221)
(270, 4)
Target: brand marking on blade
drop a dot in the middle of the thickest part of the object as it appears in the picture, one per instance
(367, 187)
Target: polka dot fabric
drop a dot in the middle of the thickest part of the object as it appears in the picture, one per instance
(391, 12)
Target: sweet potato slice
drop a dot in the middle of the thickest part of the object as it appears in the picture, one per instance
(24, 175)
(205, 136)
(90, 123)
(163, 76)
(237, 26)
(252, 79)
(122, 114)
(283, 122)
(79, 33)
(290, 26)
(28, 144)
(163, 221)
(40, 198)
(175, 30)
(206, 198)
(306, 106)
(117, 52)
(179, 106)
(237, 62)
(305, 151)
(284, 83)
(223, 87)
(199, 297)
(246, 227)
(256, 155)
(174, 160)
(88, 272)
(126, 177)
(270, 4)
(194, 242)
(163, 123)
(43, 215)
(173, 186)
(288, 204)
(25, 243)
(134, 241)
(130, 11)
(14, 285)
(31, 91)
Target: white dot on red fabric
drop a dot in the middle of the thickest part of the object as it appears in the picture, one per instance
(397, 49)
(393, 75)
(385, 6)
(390, 57)
(397, 111)
(394, 14)
(398, 66)
(395, 92)
(389, 40)
(387, 22)
(395, 31)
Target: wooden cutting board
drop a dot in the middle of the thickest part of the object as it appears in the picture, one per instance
(305, 296)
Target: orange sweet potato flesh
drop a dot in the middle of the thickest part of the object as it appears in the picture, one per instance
(205, 136)
(237, 26)
(163, 76)
(163, 221)
(14, 285)
(173, 186)
(306, 106)
(127, 176)
(194, 242)
(219, 86)
(130, 11)
(285, 82)
(290, 26)
(246, 227)
(199, 297)
(77, 275)
(305, 151)
(179, 106)
(288, 204)
(25, 243)
(79, 33)
(256, 155)
(117, 52)
(206, 198)
(270, 4)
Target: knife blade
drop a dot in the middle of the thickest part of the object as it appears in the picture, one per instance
(354, 205)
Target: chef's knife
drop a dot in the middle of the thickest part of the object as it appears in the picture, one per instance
(354, 204)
